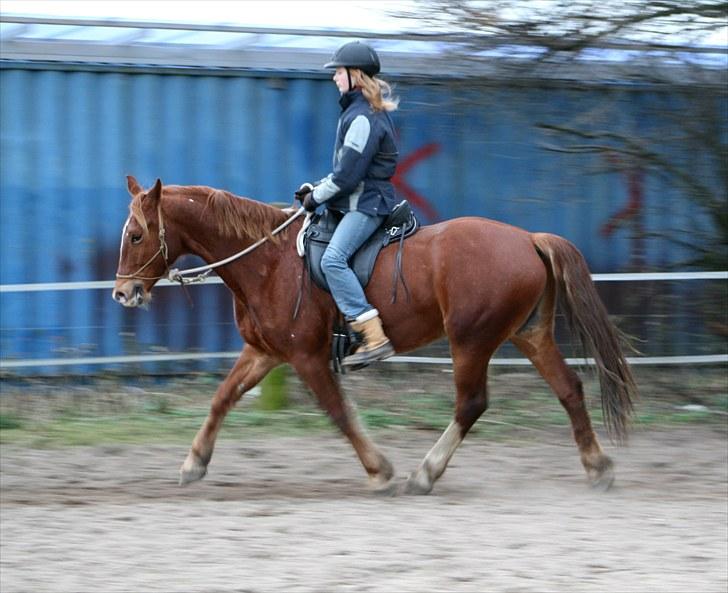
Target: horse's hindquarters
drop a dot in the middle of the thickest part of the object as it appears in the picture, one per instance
(469, 278)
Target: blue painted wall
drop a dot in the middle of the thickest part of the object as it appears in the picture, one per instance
(69, 138)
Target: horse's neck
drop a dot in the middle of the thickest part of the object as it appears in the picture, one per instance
(200, 235)
(197, 233)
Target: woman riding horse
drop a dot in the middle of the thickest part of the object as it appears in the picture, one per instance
(360, 187)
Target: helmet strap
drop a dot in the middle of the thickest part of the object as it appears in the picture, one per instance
(348, 75)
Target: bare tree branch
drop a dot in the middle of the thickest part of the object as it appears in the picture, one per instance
(661, 44)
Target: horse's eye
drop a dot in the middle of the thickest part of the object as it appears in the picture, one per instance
(136, 239)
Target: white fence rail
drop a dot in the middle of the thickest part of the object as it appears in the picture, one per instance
(182, 356)
(108, 284)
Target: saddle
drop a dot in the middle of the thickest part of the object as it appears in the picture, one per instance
(399, 225)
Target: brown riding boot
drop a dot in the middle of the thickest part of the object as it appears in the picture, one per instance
(376, 345)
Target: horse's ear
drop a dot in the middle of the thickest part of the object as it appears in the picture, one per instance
(156, 192)
(133, 186)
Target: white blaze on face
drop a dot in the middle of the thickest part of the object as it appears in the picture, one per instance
(123, 234)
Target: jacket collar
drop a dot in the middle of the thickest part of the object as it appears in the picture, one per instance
(350, 97)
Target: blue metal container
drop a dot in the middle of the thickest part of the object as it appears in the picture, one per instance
(69, 137)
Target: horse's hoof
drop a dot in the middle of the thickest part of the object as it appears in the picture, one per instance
(382, 480)
(601, 474)
(417, 483)
(390, 488)
(192, 470)
(603, 481)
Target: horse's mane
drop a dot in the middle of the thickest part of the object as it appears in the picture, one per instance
(235, 217)
(238, 217)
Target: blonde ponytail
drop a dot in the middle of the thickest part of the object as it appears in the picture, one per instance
(377, 92)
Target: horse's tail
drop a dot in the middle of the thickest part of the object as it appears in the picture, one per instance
(588, 319)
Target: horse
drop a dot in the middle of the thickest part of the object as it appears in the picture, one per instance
(476, 281)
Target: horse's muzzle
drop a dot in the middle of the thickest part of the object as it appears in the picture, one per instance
(130, 293)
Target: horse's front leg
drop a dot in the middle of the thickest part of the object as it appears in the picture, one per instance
(320, 378)
(249, 369)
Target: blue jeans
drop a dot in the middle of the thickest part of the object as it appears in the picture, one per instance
(353, 230)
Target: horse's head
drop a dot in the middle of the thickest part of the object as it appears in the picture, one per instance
(143, 253)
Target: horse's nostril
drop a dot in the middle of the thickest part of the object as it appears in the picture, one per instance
(119, 296)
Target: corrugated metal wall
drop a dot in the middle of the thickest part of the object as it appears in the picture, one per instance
(69, 138)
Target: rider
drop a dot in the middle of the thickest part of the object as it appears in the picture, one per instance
(360, 187)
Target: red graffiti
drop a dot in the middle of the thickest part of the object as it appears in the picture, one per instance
(632, 214)
(634, 204)
(403, 187)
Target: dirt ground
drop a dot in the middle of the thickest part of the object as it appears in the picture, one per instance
(293, 514)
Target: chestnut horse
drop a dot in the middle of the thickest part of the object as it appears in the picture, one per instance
(476, 281)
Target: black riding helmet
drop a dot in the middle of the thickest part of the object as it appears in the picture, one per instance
(355, 54)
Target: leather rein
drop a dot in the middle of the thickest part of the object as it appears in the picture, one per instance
(174, 275)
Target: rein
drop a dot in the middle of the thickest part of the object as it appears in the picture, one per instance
(175, 275)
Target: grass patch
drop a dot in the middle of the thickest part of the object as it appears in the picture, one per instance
(10, 422)
(48, 415)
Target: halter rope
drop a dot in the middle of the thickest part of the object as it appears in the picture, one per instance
(174, 275)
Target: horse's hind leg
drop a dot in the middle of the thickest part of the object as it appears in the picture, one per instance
(342, 412)
(471, 376)
(540, 348)
(249, 369)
